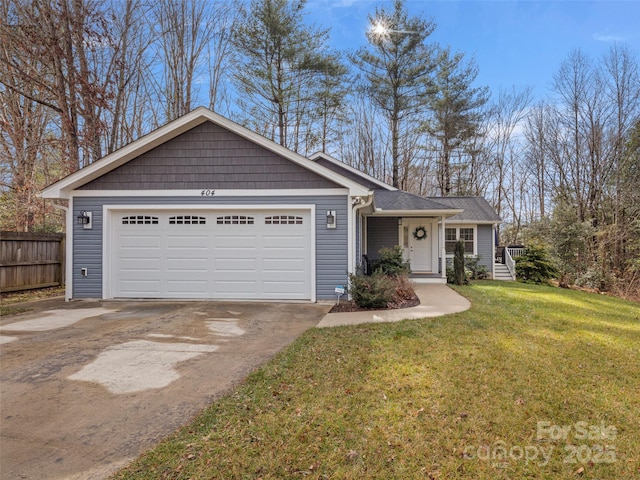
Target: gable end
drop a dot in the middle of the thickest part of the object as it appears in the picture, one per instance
(212, 157)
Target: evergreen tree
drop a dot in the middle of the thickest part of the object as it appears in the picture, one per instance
(396, 66)
(281, 63)
(456, 114)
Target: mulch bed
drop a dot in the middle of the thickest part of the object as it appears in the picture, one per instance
(350, 306)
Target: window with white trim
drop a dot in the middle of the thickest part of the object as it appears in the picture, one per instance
(283, 220)
(235, 220)
(139, 220)
(453, 234)
(187, 220)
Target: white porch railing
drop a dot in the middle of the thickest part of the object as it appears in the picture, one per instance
(509, 262)
(515, 251)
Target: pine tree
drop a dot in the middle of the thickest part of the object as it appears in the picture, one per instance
(282, 61)
(456, 112)
(396, 66)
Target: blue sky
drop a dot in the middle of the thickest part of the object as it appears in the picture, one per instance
(514, 43)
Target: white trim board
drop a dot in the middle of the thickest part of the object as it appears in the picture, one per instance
(107, 232)
(318, 192)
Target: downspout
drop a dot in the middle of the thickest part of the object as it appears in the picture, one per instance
(68, 267)
(495, 244)
(443, 250)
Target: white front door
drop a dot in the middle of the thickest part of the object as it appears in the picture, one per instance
(420, 238)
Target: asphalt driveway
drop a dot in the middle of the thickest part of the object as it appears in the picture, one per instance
(85, 387)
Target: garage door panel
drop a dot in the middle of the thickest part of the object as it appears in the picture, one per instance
(279, 289)
(134, 264)
(284, 265)
(186, 242)
(236, 241)
(133, 241)
(187, 264)
(178, 288)
(235, 287)
(214, 254)
(140, 288)
(235, 264)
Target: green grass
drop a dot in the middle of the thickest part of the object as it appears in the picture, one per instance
(436, 398)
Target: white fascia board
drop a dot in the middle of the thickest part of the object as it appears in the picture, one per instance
(62, 188)
(317, 192)
(349, 168)
(222, 206)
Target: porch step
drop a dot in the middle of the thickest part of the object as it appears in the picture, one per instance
(501, 272)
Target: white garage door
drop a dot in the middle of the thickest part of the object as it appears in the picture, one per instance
(211, 254)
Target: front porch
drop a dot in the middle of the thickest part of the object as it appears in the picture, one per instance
(421, 239)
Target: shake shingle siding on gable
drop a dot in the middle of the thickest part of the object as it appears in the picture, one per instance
(208, 156)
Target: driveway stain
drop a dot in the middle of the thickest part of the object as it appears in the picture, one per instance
(225, 327)
(139, 365)
(54, 319)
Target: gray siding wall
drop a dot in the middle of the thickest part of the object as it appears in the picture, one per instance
(208, 157)
(485, 246)
(381, 232)
(331, 244)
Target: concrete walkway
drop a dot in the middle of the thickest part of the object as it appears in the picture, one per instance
(435, 300)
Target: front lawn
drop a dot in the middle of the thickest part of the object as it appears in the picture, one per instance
(531, 382)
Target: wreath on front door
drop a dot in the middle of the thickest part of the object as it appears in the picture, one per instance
(420, 233)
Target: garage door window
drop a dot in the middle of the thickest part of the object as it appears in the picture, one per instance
(283, 220)
(139, 220)
(235, 220)
(187, 220)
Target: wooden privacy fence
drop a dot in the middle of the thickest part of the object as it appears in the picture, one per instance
(31, 260)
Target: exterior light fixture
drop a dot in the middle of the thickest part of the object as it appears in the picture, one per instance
(331, 219)
(84, 219)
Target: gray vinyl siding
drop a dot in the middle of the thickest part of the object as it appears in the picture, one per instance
(485, 246)
(208, 157)
(381, 232)
(331, 244)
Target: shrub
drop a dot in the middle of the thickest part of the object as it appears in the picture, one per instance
(372, 291)
(459, 275)
(403, 289)
(475, 271)
(535, 265)
(379, 290)
(390, 262)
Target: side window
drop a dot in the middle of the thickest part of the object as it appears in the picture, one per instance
(450, 239)
(466, 234)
